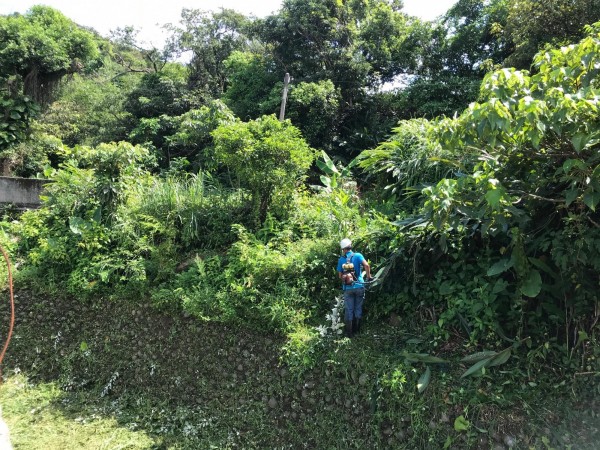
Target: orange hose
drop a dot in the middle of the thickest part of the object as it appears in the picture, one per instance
(12, 309)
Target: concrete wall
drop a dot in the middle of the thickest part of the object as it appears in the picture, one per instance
(24, 192)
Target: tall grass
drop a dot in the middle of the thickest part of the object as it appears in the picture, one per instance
(201, 210)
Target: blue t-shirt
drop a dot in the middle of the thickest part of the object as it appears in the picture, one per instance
(356, 259)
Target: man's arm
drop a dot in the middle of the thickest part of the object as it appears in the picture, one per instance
(367, 268)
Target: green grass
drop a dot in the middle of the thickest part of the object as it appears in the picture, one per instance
(44, 417)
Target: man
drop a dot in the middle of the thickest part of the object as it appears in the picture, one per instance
(350, 270)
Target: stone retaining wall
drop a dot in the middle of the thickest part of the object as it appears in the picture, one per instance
(22, 192)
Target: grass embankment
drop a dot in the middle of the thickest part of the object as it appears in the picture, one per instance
(121, 376)
(43, 417)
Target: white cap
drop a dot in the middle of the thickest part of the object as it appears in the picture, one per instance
(345, 243)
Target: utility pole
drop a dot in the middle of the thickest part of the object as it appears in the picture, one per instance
(286, 81)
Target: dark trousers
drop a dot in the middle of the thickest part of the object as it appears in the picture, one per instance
(353, 303)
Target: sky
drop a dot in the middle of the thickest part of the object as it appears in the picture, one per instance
(148, 15)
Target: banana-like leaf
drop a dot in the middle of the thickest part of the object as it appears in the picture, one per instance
(476, 357)
(475, 368)
(485, 359)
(500, 358)
(423, 357)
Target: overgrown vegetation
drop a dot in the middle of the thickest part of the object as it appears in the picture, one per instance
(214, 226)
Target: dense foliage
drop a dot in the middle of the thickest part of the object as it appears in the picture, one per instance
(471, 187)
(39, 48)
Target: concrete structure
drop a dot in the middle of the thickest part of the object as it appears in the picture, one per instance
(21, 192)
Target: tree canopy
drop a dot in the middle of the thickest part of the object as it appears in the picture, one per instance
(40, 47)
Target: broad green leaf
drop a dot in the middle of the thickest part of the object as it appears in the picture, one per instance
(500, 358)
(570, 195)
(448, 443)
(321, 165)
(570, 163)
(493, 197)
(501, 266)
(329, 165)
(591, 199)
(77, 225)
(424, 380)
(98, 214)
(532, 285)
(475, 368)
(83, 346)
(542, 265)
(461, 424)
(326, 181)
(446, 288)
(423, 357)
(475, 357)
(579, 141)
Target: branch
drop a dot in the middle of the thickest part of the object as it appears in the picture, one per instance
(537, 197)
(596, 224)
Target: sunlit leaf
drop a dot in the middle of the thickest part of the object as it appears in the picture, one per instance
(579, 141)
(424, 380)
(461, 424)
(448, 443)
(326, 181)
(77, 225)
(493, 197)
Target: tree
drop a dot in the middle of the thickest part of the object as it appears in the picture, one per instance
(468, 40)
(534, 23)
(269, 158)
(159, 93)
(354, 44)
(90, 109)
(528, 154)
(193, 139)
(133, 57)
(15, 117)
(39, 48)
(461, 47)
(313, 108)
(210, 37)
(253, 84)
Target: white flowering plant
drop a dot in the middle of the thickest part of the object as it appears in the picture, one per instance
(335, 320)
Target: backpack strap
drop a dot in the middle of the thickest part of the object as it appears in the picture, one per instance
(349, 260)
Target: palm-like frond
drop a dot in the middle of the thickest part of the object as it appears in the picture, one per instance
(407, 161)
